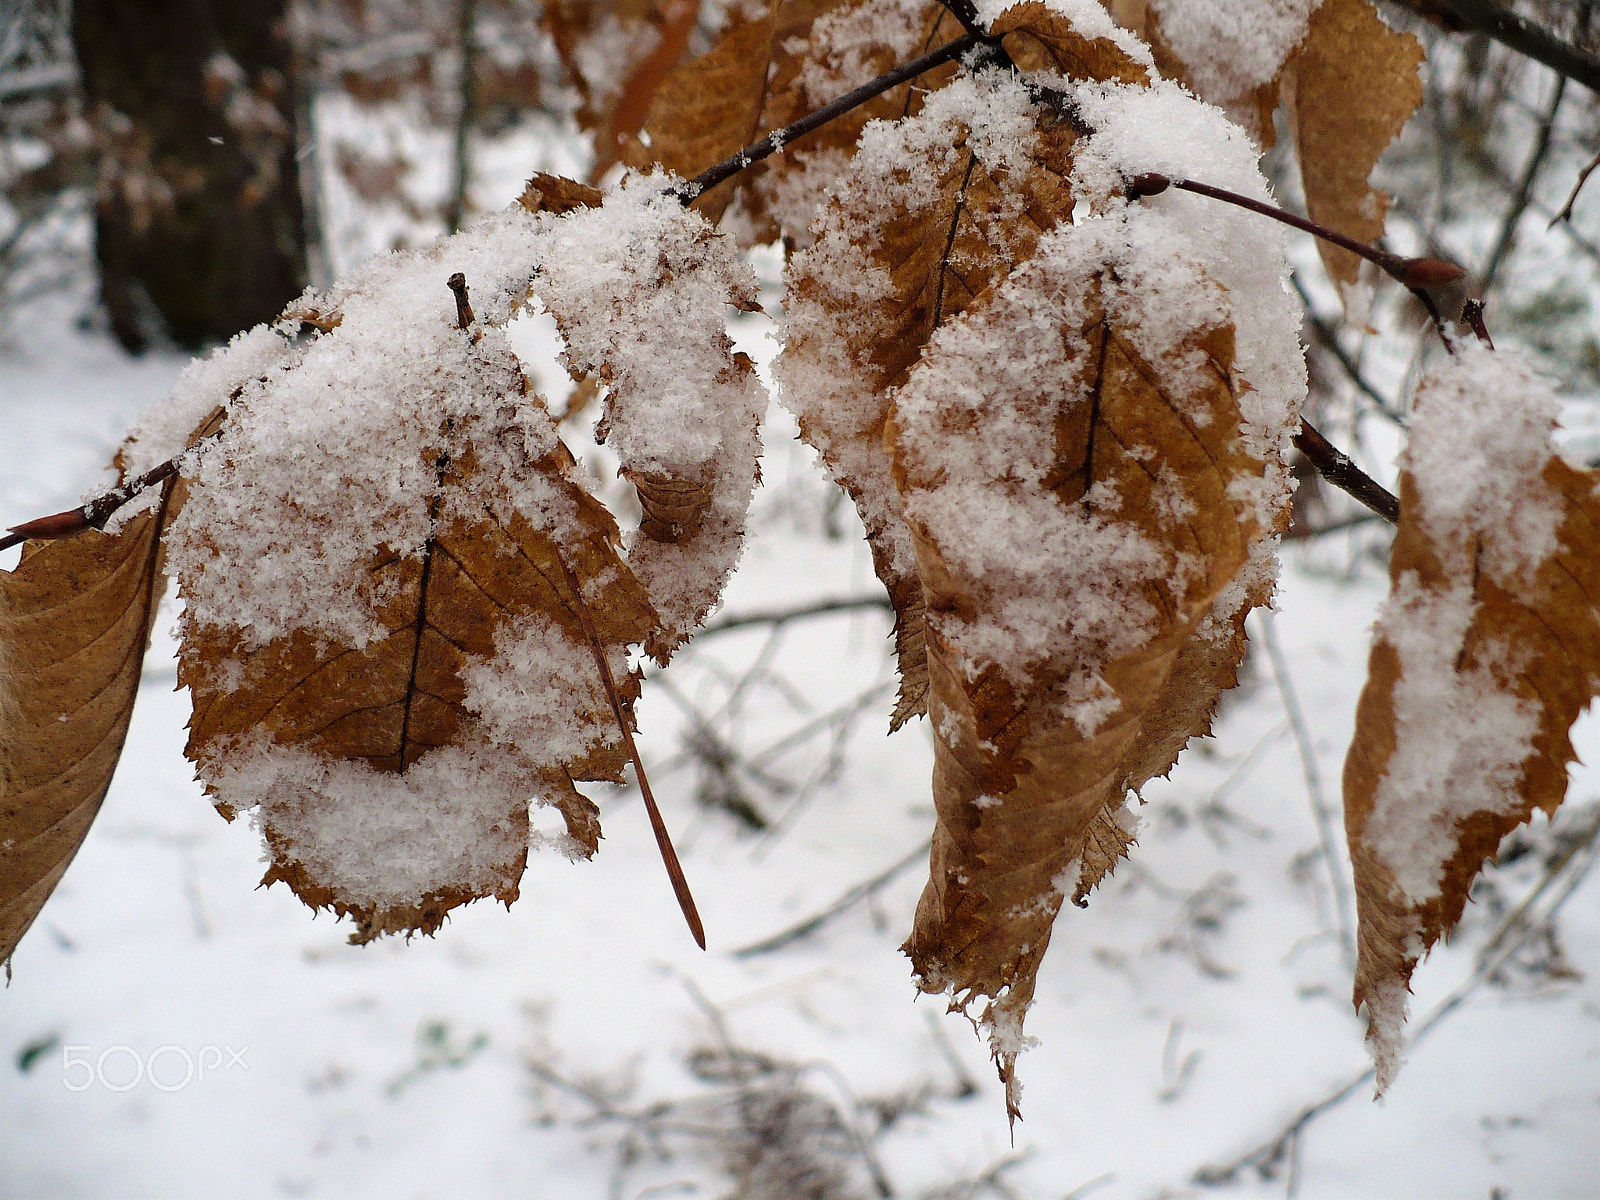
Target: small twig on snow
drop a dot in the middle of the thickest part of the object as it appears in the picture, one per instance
(1321, 811)
(1508, 938)
(861, 891)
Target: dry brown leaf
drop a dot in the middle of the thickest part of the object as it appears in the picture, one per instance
(1356, 85)
(557, 194)
(616, 53)
(713, 105)
(938, 237)
(306, 723)
(823, 51)
(75, 619)
(1040, 39)
(1486, 653)
(1072, 646)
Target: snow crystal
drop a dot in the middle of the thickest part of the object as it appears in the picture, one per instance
(848, 46)
(1460, 735)
(1229, 47)
(541, 692)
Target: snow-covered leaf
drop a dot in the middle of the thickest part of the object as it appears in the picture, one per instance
(931, 212)
(1487, 650)
(1075, 473)
(386, 659)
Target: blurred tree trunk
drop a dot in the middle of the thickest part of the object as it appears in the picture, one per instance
(198, 217)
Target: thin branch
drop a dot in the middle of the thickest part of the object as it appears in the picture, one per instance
(861, 891)
(1524, 192)
(98, 511)
(1565, 215)
(1329, 337)
(1321, 810)
(1509, 937)
(466, 113)
(1509, 29)
(781, 617)
(1335, 466)
(1417, 275)
(669, 856)
(779, 138)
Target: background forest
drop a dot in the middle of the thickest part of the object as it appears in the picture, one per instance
(172, 172)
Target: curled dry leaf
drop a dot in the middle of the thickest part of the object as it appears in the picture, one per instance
(930, 213)
(75, 618)
(1486, 651)
(1082, 499)
(639, 289)
(1356, 85)
(1066, 37)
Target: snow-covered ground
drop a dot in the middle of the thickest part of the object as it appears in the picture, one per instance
(580, 1046)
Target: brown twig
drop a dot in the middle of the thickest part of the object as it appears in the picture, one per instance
(779, 138)
(457, 283)
(861, 891)
(1335, 466)
(781, 617)
(1572, 197)
(1510, 29)
(1417, 275)
(669, 856)
(96, 512)
(1507, 238)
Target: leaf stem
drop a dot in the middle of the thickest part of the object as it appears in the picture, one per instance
(1417, 275)
(669, 856)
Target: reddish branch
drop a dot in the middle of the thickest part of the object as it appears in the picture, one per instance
(1417, 274)
(779, 138)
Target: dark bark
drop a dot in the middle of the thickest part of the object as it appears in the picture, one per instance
(198, 216)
